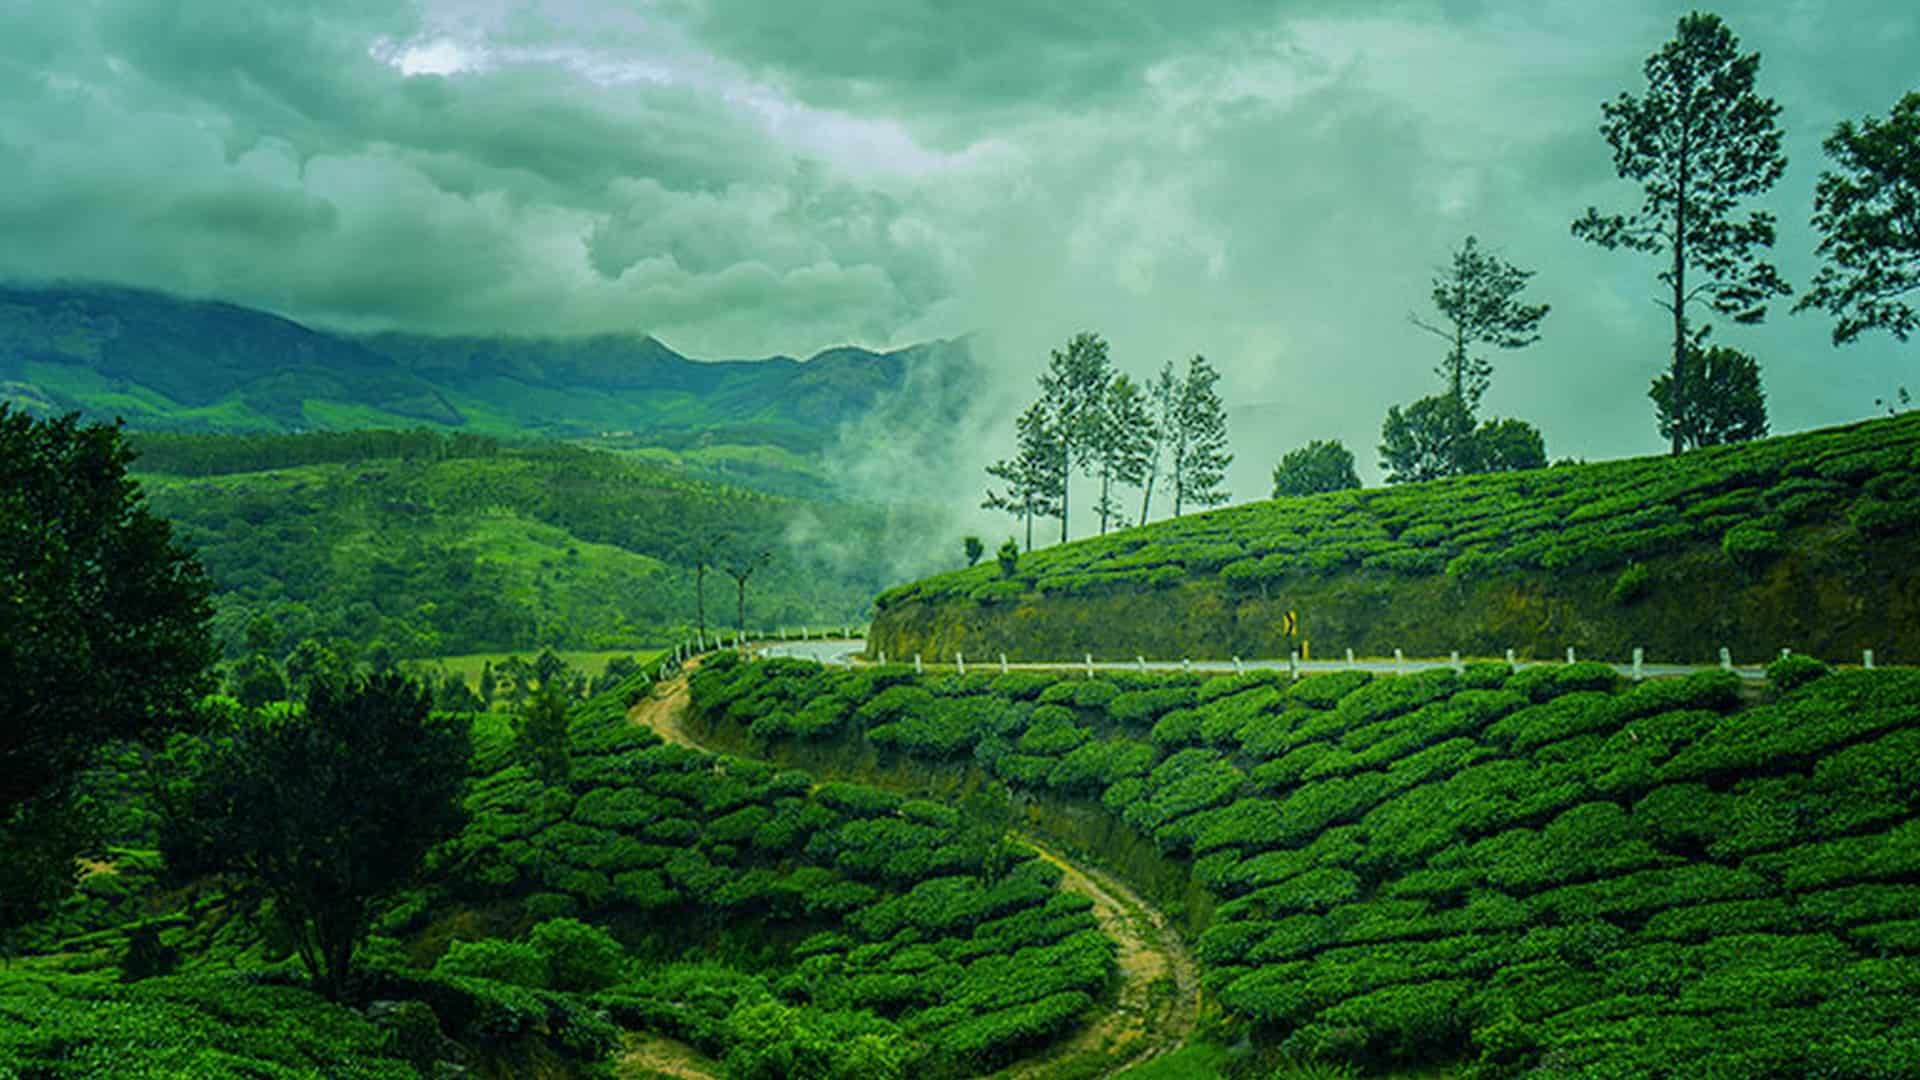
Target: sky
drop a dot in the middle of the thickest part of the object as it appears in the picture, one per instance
(1270, 185)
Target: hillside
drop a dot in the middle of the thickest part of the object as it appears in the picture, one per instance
(170, 364)
(1544, 871)
(777, 925)
(1803, 541)
(435, 544)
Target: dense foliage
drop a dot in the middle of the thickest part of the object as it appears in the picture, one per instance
(1575, 517)
(93, 590)
(1543, 866)
(329, 810)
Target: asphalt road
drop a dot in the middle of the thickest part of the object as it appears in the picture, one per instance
(848, 652)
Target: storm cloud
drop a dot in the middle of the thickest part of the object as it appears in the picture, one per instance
(1270, 186)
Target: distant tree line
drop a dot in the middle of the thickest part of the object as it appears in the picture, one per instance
(1700, 142)
(1096, 422)
(213, 455)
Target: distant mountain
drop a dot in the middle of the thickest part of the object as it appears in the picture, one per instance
(171, 364)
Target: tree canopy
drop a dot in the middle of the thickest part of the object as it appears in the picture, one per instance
(328, 810)
(1868, 211)
(103, 630)
(1321, 465)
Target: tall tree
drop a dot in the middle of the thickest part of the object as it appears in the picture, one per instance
(1035, 476)
(1698, 142)
(1123, 442)
(103, 633)
(1073, 389)
(328, 813)
(1321, 465)
(1868, 213)
(741, 569)
(1479, 301)
(1730, 407)
(1163, 396)
(1200, 456)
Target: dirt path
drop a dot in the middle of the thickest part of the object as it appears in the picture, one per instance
(1157, 1001)
(646, 1056)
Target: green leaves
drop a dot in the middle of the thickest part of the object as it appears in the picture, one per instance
(1864, 208)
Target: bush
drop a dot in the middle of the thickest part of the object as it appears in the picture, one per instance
(1750, 545)
(501, 961)
(1791, 672)
(1632, 584)
(579, 957)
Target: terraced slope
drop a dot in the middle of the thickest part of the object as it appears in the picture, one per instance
(1549, 868)
(1802, 541)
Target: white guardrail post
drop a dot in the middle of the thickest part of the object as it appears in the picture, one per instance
(1003, 663)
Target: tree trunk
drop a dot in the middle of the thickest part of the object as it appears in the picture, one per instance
(1146, 498)
(1106, 496)
(1066, 485)
(700, 596)
(740, 611)
(1679, 307)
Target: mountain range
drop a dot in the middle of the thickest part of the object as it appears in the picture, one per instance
(165, 363)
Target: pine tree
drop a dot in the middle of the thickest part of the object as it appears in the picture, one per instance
(1479, 298)
(1699, 141)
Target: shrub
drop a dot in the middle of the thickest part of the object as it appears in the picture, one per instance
(1793, 671)
(1750, 544)
(1632, 584)
(501, 961)
(579, 957)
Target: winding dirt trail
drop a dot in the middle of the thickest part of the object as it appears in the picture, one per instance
(1157, 1001)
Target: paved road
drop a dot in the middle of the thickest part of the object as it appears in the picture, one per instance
(848, 652)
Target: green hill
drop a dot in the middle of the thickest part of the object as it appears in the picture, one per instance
(785, 927)
(1803, 541)
(170, 364)
(1548, 871)
(437, 544)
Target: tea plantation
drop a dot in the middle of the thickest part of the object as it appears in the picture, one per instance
(1755, 546)
(779, 926)
(1549, 869)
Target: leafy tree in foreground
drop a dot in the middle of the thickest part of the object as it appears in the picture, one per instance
(327, 811)
(973, 548)
(1008, 557)
(1730, 405)
(1868, 213)
(1698, 142)
(1321, 465)
(1199, 445)
(103, 632)
(1479, 298)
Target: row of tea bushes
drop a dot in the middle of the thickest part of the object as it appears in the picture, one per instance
(1545, 866)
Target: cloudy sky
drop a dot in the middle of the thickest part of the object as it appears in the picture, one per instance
(1272, 185)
